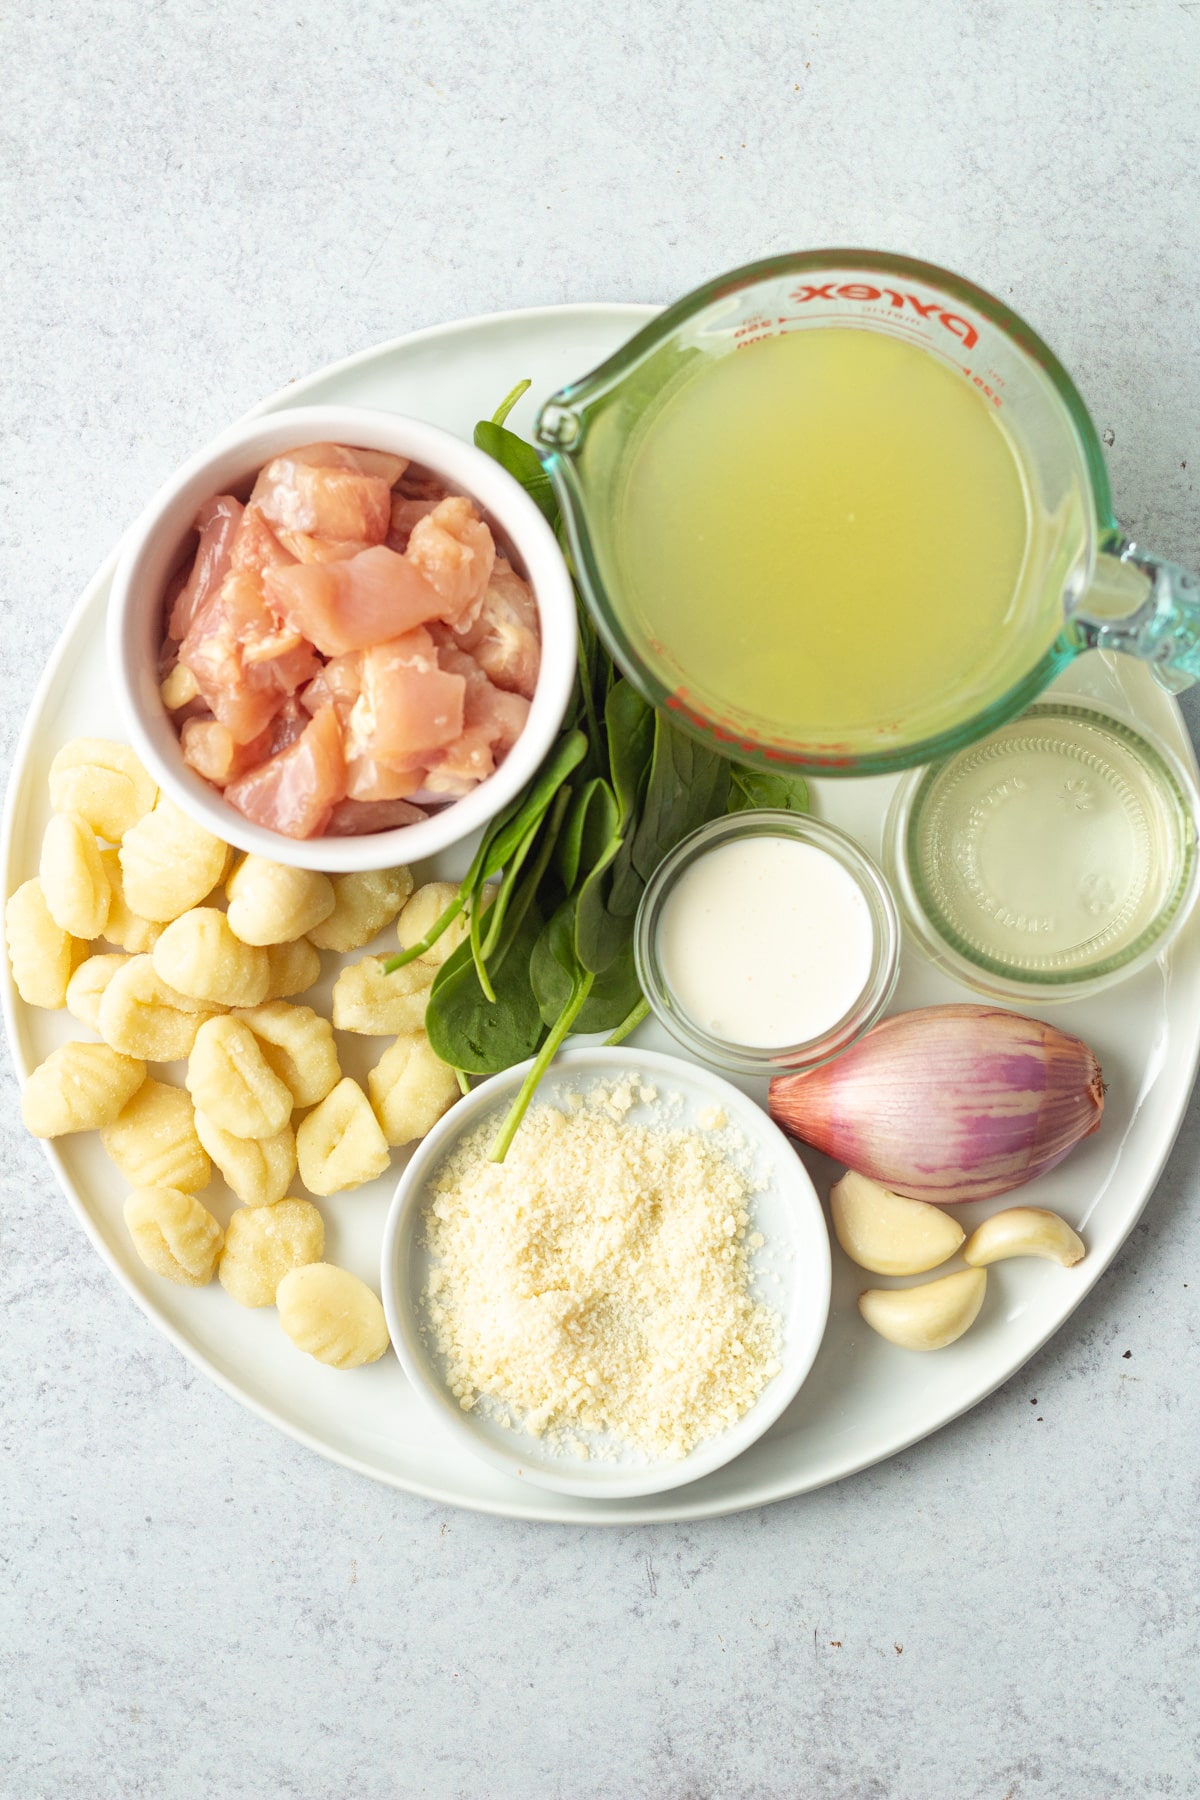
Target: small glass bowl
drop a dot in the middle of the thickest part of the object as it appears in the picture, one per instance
(1049, 860)
(749, 1059)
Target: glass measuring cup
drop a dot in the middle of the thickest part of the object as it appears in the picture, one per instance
(1081, 583)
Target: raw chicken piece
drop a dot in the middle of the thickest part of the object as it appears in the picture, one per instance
(308, 549)
(504, 639)
(212, 750)
(492, 722)
(289, 723)
(256, 547)
(340, 456)
(353, 818)
(405, 514)
(338, 683)
(409, 707)
(453, 549)
(217, 522)
(335, 503)
(367, 780)
(343, 606)
(296, 791)
(244, 665)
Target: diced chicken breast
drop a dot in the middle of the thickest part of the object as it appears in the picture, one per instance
(343, 606)
(405, 514)
(334, 503)
(217, 522)
(307, 549)
(492, 722)
(409, 707)
(453, 549)
(337, 683)
(243, 663)
(296, 791)
(256, 547)
(352, 818)
(504, 638)
(341, 456)
(368, 780)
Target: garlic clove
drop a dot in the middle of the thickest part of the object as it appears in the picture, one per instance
(1024, 1231)
(887, 1234)
(927, 1317)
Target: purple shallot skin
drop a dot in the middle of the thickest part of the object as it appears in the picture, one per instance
(948, 1103)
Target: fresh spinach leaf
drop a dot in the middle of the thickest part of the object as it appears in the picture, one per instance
(522, 462)
(473, 1033)
(750, 789)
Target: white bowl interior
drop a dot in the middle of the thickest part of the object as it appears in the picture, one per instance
(791, 1271)
(154, 549)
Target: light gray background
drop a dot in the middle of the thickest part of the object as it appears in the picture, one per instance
(202, 200)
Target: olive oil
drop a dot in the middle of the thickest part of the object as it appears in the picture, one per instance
(822, 533)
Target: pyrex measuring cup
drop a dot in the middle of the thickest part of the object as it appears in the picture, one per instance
(1081, 583)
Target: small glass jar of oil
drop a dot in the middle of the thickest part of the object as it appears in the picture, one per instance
(1051, 859)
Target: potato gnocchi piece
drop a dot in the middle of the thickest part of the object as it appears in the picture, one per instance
(332, 1315)
(140, 1015)
(373, 1004)
(74, 880)
(363, 905)
(85, 990)
(174, 1234)
(263, 1244)
(104, 783)
(169, 863)
(339, 1145)
(199, 955)
(153, 1140)
(298, 1044)
(423, 911)
(292, 969)
(79, 1087)
(259, 1170)
(40, 953)
(410, 1089)
(231, 1080)
(123, 927)
(270, 903)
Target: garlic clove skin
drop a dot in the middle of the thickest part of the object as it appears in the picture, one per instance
(882, 1231)
(1024, 1231)
(927, 1317)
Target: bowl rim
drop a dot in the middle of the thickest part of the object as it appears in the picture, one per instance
(799, 1351)
(230, 458)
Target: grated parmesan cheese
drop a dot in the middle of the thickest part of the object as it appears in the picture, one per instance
(597, 1281)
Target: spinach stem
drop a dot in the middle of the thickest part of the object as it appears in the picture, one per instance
(464, 1083)
(542, 1061)
(509, 401)
(428, 941)
(632, 1019)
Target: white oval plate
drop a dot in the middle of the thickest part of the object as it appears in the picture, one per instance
(791, 1270)
(864, 1399)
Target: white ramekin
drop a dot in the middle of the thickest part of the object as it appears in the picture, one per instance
(152, 552)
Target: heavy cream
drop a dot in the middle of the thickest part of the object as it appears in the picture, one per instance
(766, 942)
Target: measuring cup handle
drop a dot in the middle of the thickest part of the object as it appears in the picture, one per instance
(1147, 607)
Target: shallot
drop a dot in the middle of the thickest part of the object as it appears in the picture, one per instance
(948, 1103)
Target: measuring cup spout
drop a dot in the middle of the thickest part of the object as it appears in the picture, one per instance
(559, 428)
(1147, 607)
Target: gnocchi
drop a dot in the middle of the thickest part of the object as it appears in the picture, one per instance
(85, 990)
(141, 1016)
(263, 1244)
(330, 1314)
(153, 1140)
(270, 903)
(199, 955)
(104, 783)
(363, 905)
(179, 689)
(340, 1145)
(123, 927)
(259, 1170)
(422, 913)
(298, 1044)
(291, 969)
(41, 954)
(367, 1001)
(231, 1080)
(410, 1089)
(79, 1087)
(174, 1234)
(74, 880)
(169, 863)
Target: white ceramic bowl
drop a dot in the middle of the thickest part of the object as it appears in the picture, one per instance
(152, 552)
(793, 1268)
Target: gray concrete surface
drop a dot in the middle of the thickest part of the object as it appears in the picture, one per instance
(202, 200)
